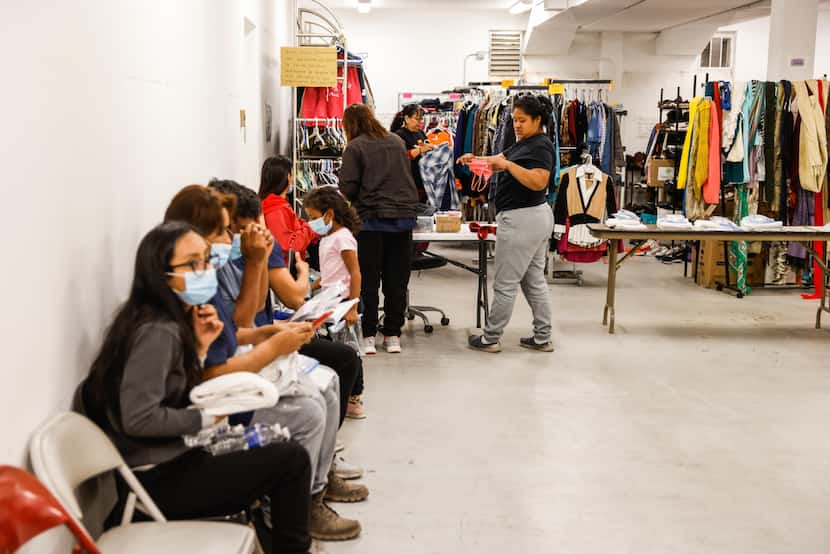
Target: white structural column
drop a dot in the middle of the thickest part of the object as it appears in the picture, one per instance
(611, 57)
(792, 39)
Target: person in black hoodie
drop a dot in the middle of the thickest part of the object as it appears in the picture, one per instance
(376, 177)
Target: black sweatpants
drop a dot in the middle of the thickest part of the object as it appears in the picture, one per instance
(198, 485)
(344, 361)
(384, 260)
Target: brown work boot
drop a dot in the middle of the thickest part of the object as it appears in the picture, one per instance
(328, 525)
(340, 490)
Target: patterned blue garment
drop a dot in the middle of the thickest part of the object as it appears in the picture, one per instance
(439, 179)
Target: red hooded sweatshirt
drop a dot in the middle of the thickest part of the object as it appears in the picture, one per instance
(291, 232)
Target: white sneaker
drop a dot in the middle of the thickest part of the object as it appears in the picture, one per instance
(369, 347)
(345, 470)
(392, 344)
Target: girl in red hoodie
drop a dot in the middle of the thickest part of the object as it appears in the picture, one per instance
(276, 183)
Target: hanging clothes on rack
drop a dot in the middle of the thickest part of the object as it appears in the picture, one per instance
(311, 174)
(436, 169)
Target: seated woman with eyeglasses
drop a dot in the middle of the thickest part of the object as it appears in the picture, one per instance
(138, 392)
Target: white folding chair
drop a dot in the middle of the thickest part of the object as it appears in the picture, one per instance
(69, 450)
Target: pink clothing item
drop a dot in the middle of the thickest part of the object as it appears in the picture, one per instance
(332, 268)
(481, 174)
(711, 189)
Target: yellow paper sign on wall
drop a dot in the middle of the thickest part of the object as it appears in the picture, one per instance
(508, 83)
(556, 88)
(308, 66)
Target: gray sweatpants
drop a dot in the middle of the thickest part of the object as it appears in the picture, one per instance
(521, 250)
(313, 418)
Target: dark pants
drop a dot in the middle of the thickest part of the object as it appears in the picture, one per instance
(198, 485)
(384, 259)
(344, 361)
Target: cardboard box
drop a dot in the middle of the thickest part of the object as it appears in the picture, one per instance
(660, 171)
(711, 266)
(447, 223)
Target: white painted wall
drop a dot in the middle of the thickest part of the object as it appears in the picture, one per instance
(752, 44)
(421, 50)
(114, 106)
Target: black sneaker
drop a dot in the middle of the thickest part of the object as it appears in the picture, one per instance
(476, 342)
(533, 345)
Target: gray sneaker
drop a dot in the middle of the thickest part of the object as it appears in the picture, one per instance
(533, 345)
(476, 342)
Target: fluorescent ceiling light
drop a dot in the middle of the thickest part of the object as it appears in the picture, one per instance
(521, 6)
(364, 6)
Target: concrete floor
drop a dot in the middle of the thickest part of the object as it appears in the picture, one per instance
(700, 427)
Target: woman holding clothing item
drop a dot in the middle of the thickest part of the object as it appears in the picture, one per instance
(376, 178)
(525, 223)
(408, 125)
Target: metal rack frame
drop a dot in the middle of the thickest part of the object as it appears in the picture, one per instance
(332, 34)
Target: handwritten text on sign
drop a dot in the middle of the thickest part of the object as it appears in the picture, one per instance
(308, 66)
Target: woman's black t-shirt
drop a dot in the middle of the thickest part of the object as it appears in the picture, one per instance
(411, 139)
(535, 152)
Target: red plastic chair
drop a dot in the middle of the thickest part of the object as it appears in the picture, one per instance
(28, 509)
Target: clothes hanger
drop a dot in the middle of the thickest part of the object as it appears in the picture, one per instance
(588, 168)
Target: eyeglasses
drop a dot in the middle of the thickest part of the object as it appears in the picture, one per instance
(198, 266)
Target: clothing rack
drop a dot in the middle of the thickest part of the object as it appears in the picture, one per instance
(313, 14)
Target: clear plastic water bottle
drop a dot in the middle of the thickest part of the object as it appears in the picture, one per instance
(255, 436)
(212, 434)
(260, 435)
(228, 445)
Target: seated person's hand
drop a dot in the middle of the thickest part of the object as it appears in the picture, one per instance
(206, 326)
(254, 244)
(351, 316)
(269, 240)
(297, 334)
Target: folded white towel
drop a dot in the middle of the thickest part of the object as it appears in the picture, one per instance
(234, 393)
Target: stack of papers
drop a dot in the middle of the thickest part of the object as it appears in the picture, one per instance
(329, 300)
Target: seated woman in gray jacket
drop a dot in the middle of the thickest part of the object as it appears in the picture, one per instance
(138, 390)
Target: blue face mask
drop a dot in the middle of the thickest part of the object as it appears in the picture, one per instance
(236, 247)
(198, 289)
(291, 188)
(320, 226)
(222, 252)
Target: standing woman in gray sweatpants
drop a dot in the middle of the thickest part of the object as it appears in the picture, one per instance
(525, 223)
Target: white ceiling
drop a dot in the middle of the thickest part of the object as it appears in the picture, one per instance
(608, 15)
(428, 4)
(654, 15)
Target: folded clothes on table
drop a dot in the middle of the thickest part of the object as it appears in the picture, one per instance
(673, 222)
(627, 224)
(759, 222)
(716, 223)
